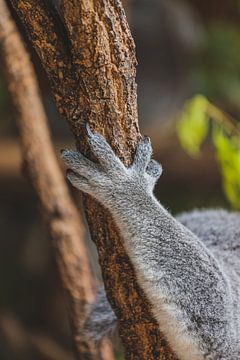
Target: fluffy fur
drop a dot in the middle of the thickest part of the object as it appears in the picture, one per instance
(188, 267)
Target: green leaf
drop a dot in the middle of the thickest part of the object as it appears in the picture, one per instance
(192, 126)
(228, 155)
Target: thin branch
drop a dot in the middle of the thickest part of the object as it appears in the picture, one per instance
(223, 118)
(46, 177)
(22, 341)
(51, 48)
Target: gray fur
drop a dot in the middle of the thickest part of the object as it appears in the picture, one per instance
(102, 321)
(188, 266)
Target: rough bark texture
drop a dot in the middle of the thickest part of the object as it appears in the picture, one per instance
(46, 177)
(93, 80)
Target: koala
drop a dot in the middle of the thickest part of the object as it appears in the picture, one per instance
(188, 266)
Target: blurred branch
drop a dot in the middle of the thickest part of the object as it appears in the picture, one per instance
(99, 87)
(45, 175)
(51, 47)
(22, 342)
(223, 118)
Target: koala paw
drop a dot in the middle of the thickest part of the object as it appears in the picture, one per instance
(109, 177)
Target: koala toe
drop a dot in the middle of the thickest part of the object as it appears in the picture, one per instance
(103, 152)
(79, 163)
(154, 169)
(78, 181)
(143, 154)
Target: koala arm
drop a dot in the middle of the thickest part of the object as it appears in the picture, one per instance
(190, 295)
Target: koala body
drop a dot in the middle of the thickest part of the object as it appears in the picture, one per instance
(188, 266)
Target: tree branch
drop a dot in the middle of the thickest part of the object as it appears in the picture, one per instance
(21, 341)
(52, 49)
(104, 95)
(46, 177)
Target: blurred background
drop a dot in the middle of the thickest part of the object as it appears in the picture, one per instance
(183, 48)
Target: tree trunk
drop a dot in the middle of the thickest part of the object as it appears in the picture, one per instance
(46, 177)
(91, 69)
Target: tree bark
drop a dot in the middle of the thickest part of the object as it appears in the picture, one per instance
(92, 76)
(46, 177)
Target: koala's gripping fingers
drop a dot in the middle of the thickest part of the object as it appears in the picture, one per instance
(154, 169)
(153, 172)
(143, 155)
(102, 150)
(79, 164)
(79, 181)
